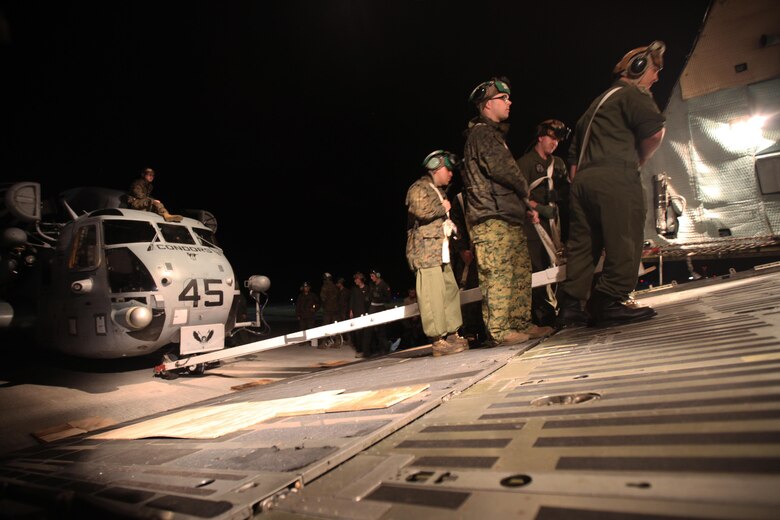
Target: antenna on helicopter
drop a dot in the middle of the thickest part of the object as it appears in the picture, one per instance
(69, 209)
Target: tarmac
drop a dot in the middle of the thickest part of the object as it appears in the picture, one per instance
(675, 417)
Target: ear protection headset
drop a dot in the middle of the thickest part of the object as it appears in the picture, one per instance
(437, 159)
(637, 64)
(479, 94)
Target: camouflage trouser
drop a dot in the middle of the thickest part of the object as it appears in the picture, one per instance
(148, 204)
(439, 299)
(504, 270)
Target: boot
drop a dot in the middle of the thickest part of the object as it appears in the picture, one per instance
(457, 339)
(570, 313)
(171, 218)
(441, 347)
(539, 332)
(610, 310)
(512, 338)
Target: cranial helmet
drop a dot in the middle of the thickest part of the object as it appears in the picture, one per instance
(436, 159)
(487, 89)
(553, 128)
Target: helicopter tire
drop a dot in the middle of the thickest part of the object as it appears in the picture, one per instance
(197, 370)
(168, 375)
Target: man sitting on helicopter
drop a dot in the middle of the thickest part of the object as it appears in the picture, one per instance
(139, 197)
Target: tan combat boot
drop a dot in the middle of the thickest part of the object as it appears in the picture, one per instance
(539, 332)
(457, 339)
(513, 337)
(441, 347)
(171, 218)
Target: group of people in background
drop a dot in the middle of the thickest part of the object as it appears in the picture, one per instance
(512, 219)
(337, 302)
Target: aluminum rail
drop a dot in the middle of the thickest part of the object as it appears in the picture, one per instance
(539, 279)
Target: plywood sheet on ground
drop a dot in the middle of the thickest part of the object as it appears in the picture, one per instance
(71, 428)
(372, 399)
(210, 422)
(252, 384)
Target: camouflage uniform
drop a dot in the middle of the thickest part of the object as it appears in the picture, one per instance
(495, 189)
(437, 291)
(140, 197)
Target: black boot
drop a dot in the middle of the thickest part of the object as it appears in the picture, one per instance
(570, 313)
(610, 310)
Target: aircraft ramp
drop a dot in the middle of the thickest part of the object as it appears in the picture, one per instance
(677, 417)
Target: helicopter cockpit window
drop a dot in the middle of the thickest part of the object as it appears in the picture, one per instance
(127, 231)
(206, 237)
(84, 252)
(175, 234)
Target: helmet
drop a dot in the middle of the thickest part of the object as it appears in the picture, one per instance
(437, 159)
(305, 284)
(376, 273)
(553, 128)
(486, 90)
(327, 276)
(635, 62)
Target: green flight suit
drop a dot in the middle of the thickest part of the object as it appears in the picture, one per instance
(607, 200)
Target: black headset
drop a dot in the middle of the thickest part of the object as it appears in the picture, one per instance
(439, 158)
(638, 64)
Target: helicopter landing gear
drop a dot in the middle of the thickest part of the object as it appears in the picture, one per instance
(191, 370)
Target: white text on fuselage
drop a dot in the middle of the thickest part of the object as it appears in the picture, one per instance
(186, 249)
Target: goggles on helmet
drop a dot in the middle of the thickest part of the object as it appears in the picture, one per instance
(480, 93)
(553, 128)
(439, 158)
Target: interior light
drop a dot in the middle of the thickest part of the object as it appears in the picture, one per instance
(744, 133)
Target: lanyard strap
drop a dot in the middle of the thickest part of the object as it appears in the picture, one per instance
(587, 132)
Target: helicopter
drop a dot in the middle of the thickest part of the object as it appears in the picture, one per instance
(114, 282)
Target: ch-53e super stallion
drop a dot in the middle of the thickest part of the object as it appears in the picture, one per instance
(114, 282)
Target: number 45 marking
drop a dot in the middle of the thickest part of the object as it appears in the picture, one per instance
(190, 293)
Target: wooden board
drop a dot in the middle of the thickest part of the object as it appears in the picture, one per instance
(71, 428)
(210, 422)
(252, 384)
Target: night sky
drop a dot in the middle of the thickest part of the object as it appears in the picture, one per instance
(300, 125)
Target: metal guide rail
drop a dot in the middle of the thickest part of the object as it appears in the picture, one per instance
(341, 327)
(715, 247)
(551, 275)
